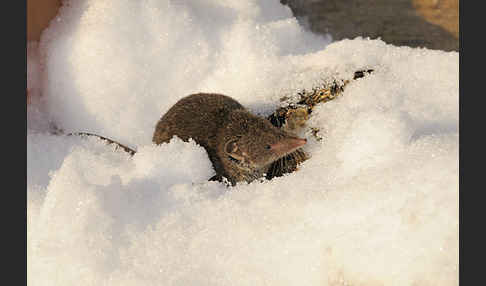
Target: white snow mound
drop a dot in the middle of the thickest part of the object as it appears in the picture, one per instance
(376, 204)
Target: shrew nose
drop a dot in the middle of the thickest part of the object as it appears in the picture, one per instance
(288, 145)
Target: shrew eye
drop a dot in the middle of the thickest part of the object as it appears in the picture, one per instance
(268, 147)
(233, 159)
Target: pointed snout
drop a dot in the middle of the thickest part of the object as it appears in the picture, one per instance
(288, 145)
(296, 142)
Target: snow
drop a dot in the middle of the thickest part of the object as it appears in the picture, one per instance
(376, 204)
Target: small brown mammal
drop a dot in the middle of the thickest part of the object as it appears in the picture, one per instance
(240, 145)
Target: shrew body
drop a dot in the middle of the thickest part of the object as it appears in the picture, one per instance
(240, 145)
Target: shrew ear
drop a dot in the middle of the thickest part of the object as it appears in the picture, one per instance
(231, 146)
(231, 149)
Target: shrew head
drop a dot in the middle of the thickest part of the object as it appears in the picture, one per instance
(250, 142)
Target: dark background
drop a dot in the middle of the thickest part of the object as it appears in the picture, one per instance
(433, 24)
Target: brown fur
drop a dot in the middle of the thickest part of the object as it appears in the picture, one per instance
(240, 145)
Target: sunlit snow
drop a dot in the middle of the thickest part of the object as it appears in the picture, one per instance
(376, 204)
